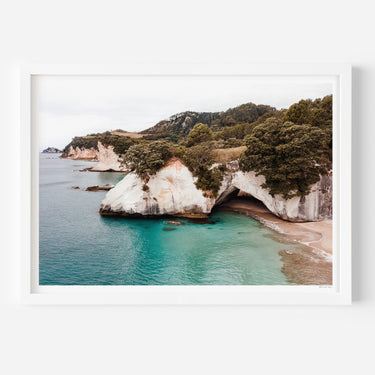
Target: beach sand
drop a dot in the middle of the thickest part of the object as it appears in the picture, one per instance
(312, 265)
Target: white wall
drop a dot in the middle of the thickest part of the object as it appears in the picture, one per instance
(192, 340)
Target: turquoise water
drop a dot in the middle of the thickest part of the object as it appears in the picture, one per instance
(79, 247)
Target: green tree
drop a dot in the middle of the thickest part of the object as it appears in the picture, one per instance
(322, 113)
(291, 157)
(300, 113)
(200, 133)
(199, 160)
(199, 156)
(147, 158)
(244, 113)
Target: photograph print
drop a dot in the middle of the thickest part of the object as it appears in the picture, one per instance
(184, 180)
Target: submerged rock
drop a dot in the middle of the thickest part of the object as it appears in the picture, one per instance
(85, 169)
(200, 221)
(175, 222)
(168, 229)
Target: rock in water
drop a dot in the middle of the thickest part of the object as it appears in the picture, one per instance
(97, 188)
(51, 150)
(175, 222)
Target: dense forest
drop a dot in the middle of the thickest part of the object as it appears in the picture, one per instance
(290, 147)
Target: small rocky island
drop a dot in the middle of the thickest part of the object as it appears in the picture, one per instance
(51, 150)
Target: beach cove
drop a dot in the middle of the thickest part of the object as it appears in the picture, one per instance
(311, 266)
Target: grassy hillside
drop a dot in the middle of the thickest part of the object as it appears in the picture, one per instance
(225, 155)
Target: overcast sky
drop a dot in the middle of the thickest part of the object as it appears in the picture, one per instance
(71, 106)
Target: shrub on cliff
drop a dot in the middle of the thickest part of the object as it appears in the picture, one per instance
(209, 180)
(198, 156)
(146, 159)
(291, 157)
(83, 142)
(200, 133)
(199, 160)
(120, 143)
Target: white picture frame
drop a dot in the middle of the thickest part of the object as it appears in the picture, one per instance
(338, 294)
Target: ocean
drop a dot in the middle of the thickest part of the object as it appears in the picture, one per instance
(77, 246)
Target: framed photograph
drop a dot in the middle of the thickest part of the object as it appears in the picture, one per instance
(186, 184)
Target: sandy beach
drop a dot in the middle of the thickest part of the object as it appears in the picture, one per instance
(310, 266)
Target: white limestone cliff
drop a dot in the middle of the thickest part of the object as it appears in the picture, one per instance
(107, 159)
(81, 153)
(172, 191)
(315, 206)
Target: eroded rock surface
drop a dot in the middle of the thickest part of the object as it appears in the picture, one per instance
(107, 159)
(172, 191)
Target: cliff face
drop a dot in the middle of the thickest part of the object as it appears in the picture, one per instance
(172, 192)
(81, 154)
(107, 159)
(313, 207)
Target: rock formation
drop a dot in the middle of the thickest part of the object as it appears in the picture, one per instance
(107, 159)
(51, 150)
(81, 154)
(315, 206)
(172, 191)
(98, 188)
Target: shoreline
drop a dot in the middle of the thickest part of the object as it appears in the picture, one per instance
(312, 265)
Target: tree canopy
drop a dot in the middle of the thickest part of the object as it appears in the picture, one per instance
(199, 160)
(147, 158)
(291, 157)
(120, 143)
(200, 133)
(316, 113)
